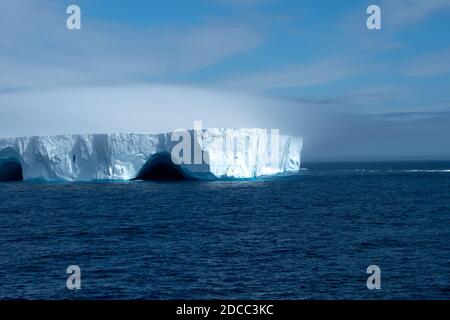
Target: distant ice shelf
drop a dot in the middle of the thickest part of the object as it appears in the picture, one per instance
(127, 156)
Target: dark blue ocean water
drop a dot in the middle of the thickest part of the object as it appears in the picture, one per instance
(307, 236)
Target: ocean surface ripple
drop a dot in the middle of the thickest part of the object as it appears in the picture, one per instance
(306, 236)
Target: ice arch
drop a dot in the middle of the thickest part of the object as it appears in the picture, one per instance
(161, 167)
(10, 165)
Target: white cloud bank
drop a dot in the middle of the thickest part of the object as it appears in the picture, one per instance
(146, 109)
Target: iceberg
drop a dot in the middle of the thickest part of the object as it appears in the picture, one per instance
(244, 153)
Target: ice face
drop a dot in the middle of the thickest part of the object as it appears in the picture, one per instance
(245, 153)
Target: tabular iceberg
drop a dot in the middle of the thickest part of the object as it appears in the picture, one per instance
(246, 153)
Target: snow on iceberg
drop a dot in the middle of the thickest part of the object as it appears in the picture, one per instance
(246, 153)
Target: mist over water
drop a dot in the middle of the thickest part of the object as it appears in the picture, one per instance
(328, 134)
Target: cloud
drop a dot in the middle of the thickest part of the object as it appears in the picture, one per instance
(411, 116)
(328, 135)
(361, 100)
(403, 13)
(305, 75)
(38, 51)
(431, 64)
(144, 108)
(396, 15)
(340, 136)
(199, 47)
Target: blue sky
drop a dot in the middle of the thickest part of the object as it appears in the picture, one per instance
(267, 61)
(316, 50)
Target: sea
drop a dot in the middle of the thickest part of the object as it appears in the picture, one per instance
(309, 235)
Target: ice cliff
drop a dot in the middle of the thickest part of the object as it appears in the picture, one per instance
(243, 153)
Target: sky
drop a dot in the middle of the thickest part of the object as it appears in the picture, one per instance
(309, 68)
